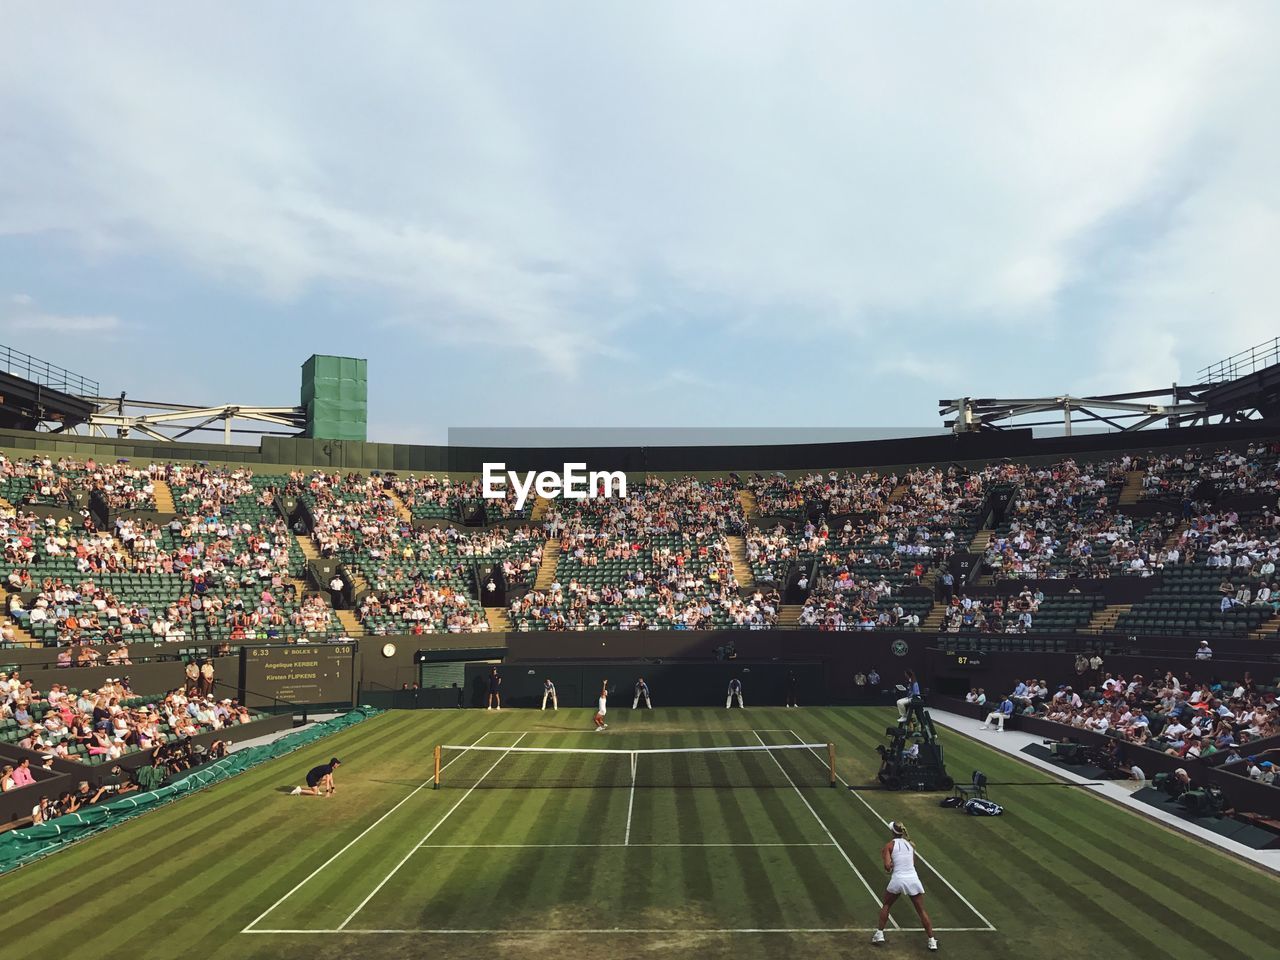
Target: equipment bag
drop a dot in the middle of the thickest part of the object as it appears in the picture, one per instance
(951, 802)
(982, 808)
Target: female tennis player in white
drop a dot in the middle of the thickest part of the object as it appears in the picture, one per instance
(602, 707)
(900, 864)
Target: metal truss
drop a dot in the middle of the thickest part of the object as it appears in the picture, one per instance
(121, 417)
(1124, 412)
(1245, 386)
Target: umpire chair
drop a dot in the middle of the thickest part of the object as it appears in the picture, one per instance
(913, 758)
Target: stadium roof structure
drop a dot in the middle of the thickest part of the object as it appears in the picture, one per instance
(38, 395)
(120, 417)
(1245, 386)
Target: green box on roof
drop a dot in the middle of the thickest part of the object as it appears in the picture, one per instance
(335, 393)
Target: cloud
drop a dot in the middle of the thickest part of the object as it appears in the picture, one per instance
(54, 323)
(689, 383)
(915, 367)
(26, 317)
(564, 181)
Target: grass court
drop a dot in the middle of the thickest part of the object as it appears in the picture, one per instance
(743, 854)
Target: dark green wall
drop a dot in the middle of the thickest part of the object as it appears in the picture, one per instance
(670, 684)
(286, 452)
(841, 655)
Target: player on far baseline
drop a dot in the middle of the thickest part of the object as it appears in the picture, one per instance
(735, 690)
(602, 706)
(900, 863)
(549, 693)
(642, 693)
(495, 690)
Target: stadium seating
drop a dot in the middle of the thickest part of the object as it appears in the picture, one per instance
(1160, 713)
(59, 721)
(40, 482)
(1174, 477)
(848, 551)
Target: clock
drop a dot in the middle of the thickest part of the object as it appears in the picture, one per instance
(388, 649)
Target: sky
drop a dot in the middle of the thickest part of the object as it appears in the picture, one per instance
(639, 215)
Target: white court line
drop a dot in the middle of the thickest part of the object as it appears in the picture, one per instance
(821, 823)
(631, 801)
(936, 873)
(349, 845)
(635, 732)
(415, 847)
(624, 751)
(578, 931)
(576, 846)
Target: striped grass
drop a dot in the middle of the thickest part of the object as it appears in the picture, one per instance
(658, 872)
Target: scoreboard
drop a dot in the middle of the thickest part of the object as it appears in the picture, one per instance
(304, 673)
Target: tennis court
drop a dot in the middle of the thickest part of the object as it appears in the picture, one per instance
(737, 831)
(708, 856)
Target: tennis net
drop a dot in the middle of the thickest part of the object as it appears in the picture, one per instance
(756, 766)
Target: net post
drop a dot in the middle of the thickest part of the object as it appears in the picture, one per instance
(435, 780)
(831, 761)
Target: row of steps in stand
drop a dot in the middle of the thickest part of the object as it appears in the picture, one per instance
(359, 585)
(540, 507)
(1105, 619)
(547, 570)
(750, 505)
(1266, 630)
(1131, 492)
(20, 634)
(978, 545)
(163, 495)
(499, 622)
(741, 568)
(116, 545)
(351, 624)
(1176, 534)
(789, 614)
(307, 546)
(932, 621)
(897, 493)
(401, 510)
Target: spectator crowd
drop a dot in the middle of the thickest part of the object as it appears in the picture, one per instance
(852, 551)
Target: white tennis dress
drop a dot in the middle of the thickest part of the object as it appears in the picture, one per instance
(903, 879)
(603, 707)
